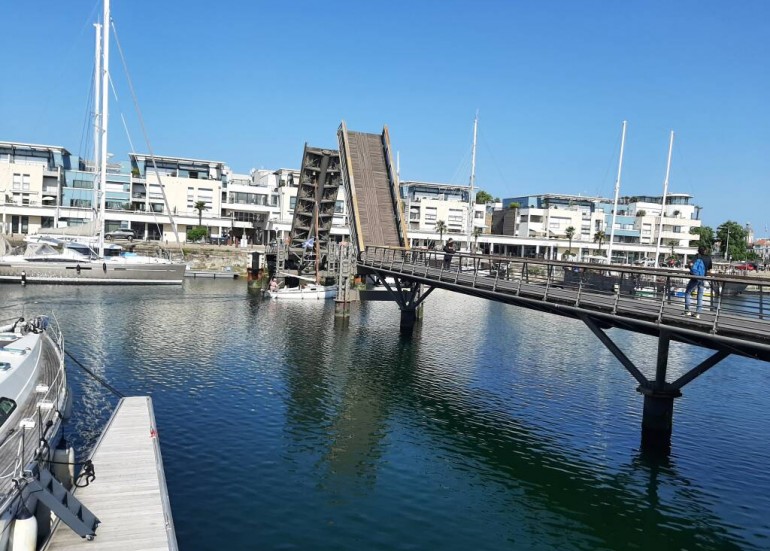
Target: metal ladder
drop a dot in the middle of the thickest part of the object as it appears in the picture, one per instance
(61, 502)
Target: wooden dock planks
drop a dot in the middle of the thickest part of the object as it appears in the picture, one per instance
(129, 493)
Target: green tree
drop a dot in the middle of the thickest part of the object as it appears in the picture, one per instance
(200, 206)
(705, 237)
(599, 237)
(732, 240)
(441, 228)
(570, 233)
(195, 234)
(482, 198)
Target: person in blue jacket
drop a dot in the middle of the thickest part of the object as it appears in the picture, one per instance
(700, 267)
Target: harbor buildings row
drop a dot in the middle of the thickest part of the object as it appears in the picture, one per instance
(46, 188)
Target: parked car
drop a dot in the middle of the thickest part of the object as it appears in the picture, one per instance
(120, 234)
(748, 266)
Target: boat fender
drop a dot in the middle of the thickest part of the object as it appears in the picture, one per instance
(104, 267)
(23, 277)
(66, 413)
(24, 536)
(63, 467)
(77, 269)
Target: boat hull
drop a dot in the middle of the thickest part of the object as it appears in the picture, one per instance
(34, 374)
(310, 292)
(107, 272)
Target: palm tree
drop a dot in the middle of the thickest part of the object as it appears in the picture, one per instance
(600, 236)
(570, 233)
(441, 228)
(476, 232)
(200, 206)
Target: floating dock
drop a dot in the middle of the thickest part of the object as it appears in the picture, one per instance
(129, 492)
(214, 275)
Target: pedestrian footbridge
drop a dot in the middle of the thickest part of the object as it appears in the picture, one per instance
(735, 317)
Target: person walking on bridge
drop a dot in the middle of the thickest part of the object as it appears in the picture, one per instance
(700, 266)
(449, 251)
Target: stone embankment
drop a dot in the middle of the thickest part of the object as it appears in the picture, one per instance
(209, 258)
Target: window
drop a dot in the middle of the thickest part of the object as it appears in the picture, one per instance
(339, 207)
(292, 203)
(25, 182)
(83, 203)
(455, 215)
(7, 406)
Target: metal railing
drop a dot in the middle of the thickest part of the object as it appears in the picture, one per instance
(734, 305)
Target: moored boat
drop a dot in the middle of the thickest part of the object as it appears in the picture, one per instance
(78, 263)
(34, 400)
(308, 291)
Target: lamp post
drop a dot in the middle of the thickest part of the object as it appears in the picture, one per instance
(727, 246)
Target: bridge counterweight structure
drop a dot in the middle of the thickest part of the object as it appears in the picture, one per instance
(602, 297)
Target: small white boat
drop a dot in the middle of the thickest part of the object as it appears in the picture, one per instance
(311, 291)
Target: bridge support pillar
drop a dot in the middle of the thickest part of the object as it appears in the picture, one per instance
(658, 419)
(409, 318)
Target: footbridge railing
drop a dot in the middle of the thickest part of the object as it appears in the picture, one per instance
(736, 310)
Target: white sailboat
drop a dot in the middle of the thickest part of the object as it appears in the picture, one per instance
(81, 264)
(308, 289)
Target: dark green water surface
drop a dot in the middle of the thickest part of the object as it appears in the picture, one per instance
(494, 427)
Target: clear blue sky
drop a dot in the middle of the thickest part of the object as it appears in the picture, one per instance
(249, 82)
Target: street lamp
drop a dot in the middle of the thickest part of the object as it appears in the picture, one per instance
(727, 246)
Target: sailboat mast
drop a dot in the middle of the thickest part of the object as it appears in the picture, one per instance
(471, 197)
(104, 120)
(97, 109)
(663, 203)
(617, 192)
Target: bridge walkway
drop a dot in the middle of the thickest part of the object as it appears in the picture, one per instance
(374, 204)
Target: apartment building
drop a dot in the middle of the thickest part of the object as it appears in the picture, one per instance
(46, 189)
(642, 225)
(425, 204)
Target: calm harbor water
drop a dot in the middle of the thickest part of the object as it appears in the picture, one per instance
(492, 428)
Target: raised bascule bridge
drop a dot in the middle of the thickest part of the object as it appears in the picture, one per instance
(363, 166)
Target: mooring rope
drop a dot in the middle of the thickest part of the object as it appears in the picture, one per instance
(96, 377)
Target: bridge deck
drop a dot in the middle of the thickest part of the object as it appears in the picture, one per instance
(376, 209)
(740, 324)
